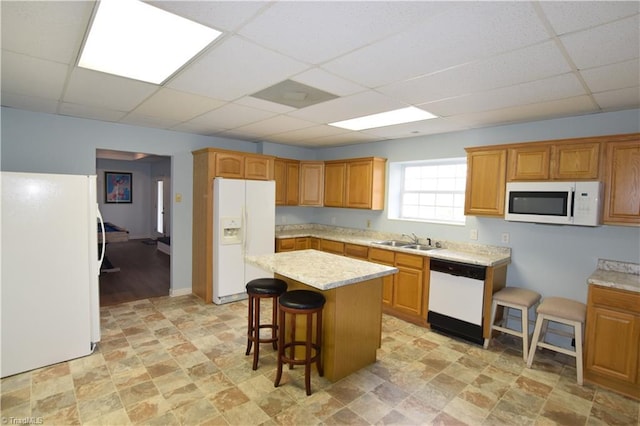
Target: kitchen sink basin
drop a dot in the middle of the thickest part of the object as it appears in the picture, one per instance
(393, 243)
(420, 247)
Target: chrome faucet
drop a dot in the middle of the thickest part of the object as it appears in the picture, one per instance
(413, 238)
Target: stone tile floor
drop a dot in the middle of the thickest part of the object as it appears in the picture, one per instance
(168, 361)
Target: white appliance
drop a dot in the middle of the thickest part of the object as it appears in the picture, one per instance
(50, 267)
(244, 216)
(563, 203)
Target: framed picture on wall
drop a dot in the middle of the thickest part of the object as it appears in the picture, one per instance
(118, 187)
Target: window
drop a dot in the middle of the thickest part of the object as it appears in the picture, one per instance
(432, 190)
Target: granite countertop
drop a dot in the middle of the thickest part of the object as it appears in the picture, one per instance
(320, 270)
(614, 274)
(475, 254)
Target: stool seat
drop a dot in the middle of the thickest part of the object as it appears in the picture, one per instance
(518, 298)
(564, 311)
(302, 299)
(258, 289)
(266, 286)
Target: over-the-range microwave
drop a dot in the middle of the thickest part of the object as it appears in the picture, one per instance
(562, 203)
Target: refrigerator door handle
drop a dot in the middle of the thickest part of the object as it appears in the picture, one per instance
(245, 221)
(104, 238)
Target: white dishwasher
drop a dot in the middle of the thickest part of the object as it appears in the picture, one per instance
(456, 299)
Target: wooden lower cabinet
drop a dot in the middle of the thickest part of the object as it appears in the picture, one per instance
(612, 341)
(409, 285)
(384, 257)
(291, 244)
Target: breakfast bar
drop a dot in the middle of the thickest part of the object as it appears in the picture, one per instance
(352, 316)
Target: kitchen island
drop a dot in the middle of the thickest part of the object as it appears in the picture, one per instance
(352, 315)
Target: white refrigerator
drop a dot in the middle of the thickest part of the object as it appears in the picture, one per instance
(244, 214)
(49, 291)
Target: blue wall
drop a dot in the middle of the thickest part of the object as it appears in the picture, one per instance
(553, 260)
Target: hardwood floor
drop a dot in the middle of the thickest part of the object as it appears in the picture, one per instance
(144, 273)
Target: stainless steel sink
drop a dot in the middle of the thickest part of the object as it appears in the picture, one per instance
(393, 243)
(420, 247)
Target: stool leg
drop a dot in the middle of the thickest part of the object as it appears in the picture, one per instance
(250, 326)
(319, 363)
(274, 322)
(494, 308)
(280, 350)
(534, 341)
(578, 336)
(256, 328)
(307, 350)
(292, 348)
(525, 333)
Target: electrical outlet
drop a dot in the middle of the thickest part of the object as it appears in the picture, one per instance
(505, 237)
(473, 234)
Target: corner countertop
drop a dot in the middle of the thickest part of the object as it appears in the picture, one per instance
(474, 254)
(320, 270)
(615, 274)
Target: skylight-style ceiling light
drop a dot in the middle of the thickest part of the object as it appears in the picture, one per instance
(135, 40)
(389, 118)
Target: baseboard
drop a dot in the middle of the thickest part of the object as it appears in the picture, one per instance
(179, 292)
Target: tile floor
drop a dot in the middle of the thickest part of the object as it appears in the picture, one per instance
(168, 361)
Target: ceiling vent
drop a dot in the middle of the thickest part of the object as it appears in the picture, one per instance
(294, 94)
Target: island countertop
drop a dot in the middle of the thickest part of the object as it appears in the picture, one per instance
(320, 270)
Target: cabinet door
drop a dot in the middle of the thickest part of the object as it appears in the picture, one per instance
(613, 343)
(229, 165)
(529, 163)
(622, 190)
(335, 247)
(359, 183)
(486, 173)
(384, 257)
(334, 180)
(293, 173)
(575, 161)
(285, 244)
(302, 243)
(408, 285)
(280, 176)
(258, 168)
(356, 251)
(311, 183)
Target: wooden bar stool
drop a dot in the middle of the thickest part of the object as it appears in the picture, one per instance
(294, 303)
(258, 289)
(513, 298)
(564, 311)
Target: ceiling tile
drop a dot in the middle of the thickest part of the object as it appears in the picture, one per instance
(231, 116)
(519, 66)
(29, 76)
(328, 82)
(341, 139)
(614, 100)
(149, 121)
(607, 44)
(220, 15)
(197, 128)
(106, 91)
(312, 132)
(314, 32)
(558, 87)
(468, 33)
(274, 125)
(93, 113)
(570, 16)
(55, 28)
(175, 105)
(357, 105)
(408, 130)
(252, 102)
(235, 68)
(616, 76)
(29, 103)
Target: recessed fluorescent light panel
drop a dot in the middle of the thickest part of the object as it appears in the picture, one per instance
(389, 118)
(132, 39)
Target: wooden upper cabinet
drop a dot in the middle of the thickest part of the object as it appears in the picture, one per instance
(357, 183)
(311, 183)
(229, 164)
(334, 180)
(575, 161)
(529, 163)
(622, 189)
(258, 167)
(286, 175)
(486, 174)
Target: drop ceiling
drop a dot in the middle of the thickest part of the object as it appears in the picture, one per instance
(473, 64)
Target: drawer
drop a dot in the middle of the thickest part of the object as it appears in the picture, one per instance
(335, 247)
(354, 250)
(286, 244)
(409, 260)
(624, 300)
(381, 256)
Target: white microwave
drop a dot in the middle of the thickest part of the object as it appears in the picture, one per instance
(562, 203)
